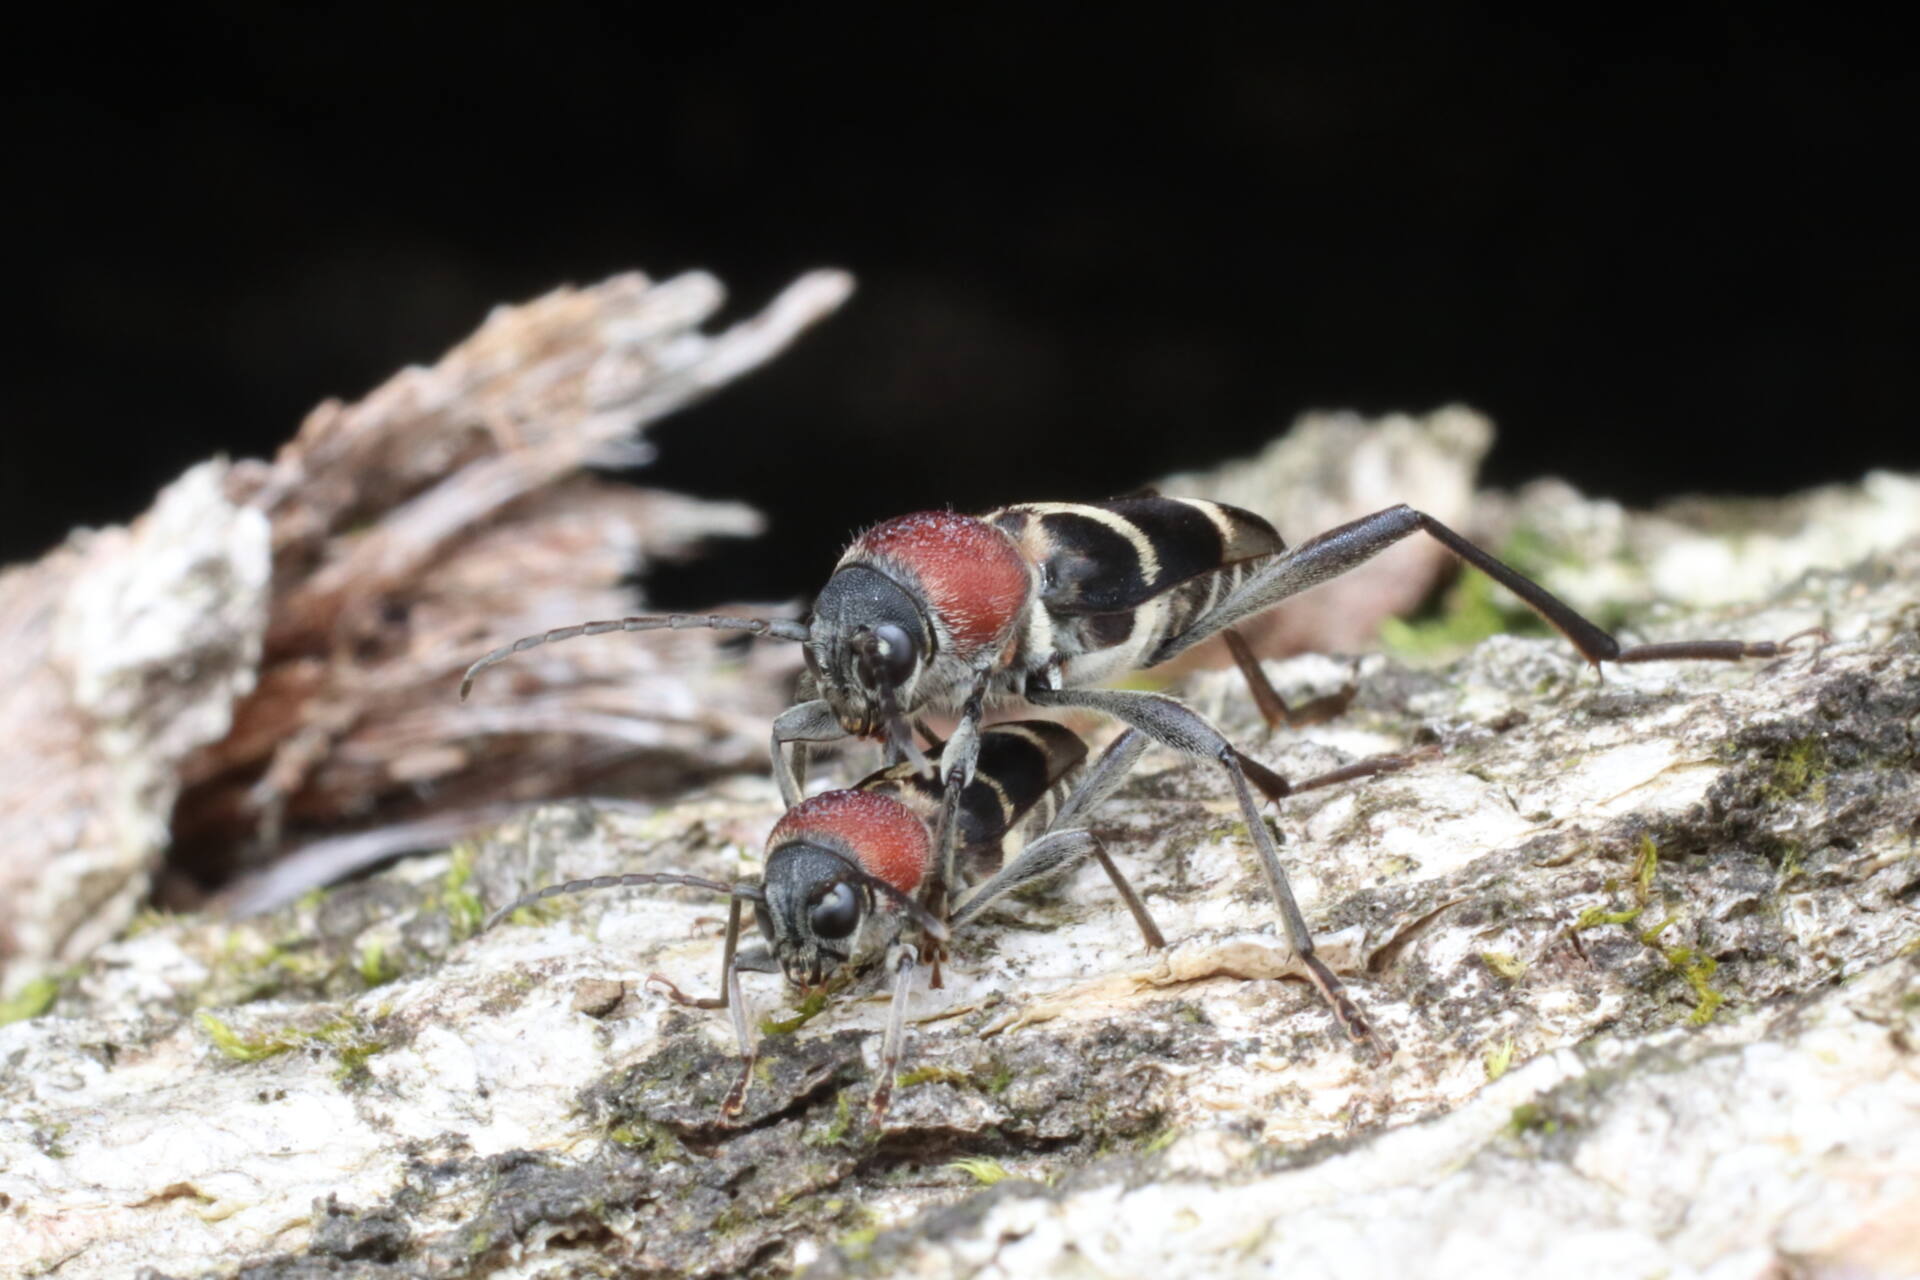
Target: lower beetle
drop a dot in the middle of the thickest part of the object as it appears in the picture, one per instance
(847, 870)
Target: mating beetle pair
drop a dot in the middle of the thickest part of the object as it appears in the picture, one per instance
(844, 870)
(941, 612)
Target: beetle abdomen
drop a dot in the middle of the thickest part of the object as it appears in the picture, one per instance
(1021, 767)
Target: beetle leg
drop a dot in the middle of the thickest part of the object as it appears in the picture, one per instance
(802, 723)
(1337, 551)
(1273, 708)
(1173, 724)
(891, 1045)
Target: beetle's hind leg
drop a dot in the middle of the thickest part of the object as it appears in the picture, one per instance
(1273, 708)
(1341, 550)
(1274, 786)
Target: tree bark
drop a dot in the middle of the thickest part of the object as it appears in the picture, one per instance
(1644, 953)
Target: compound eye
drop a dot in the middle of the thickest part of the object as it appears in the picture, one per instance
(836, 913)
(893, 653)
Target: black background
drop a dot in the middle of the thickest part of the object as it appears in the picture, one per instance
(1665, 256)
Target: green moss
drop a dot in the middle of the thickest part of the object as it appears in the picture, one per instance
(348, 1040)
(146, 920)
(1160, 1141)
(997, 1080)
(1506, 965)
(654, 1140)
(32, 1000)
(54, 1147)
(930, 1075)
(1466, 616)
(1474, 607)
(1651, 937)
(352, 1046)
(1791, 856)
(249, 966)
(1698, 970)
(837, 1129)
(1645, 867)
(465, 912)
(544, 911)
(810, 1008)
(1800, 771)
(241, 1048)
(1498, 1059)
(48, 1137)
(373, 966)
(1594, 917)
(983, 1171)
(856, 1244)
(1531, 1117)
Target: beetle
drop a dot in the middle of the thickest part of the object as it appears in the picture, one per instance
(938, 611)
(846, 870)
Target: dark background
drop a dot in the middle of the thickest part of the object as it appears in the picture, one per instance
(1668, 256)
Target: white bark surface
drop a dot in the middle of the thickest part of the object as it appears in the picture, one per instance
(1647, 954)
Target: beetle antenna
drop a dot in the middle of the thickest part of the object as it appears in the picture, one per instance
(750, 893)
(773, 628)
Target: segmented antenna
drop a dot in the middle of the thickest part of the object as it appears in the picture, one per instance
(750, 892)
(776, 628)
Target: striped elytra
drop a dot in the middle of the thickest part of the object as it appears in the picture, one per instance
(1108, 557)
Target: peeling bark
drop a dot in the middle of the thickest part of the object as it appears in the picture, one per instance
(1646, 953)
(267, 657)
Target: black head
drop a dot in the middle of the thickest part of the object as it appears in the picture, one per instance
(868, 642)
(814, 904)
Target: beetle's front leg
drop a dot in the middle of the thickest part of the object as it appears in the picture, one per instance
(800, 724)
(896, 1032)
(666, 986)
(958, 758)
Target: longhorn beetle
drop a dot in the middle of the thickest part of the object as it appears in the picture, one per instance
(844, 869)
(939, 611)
